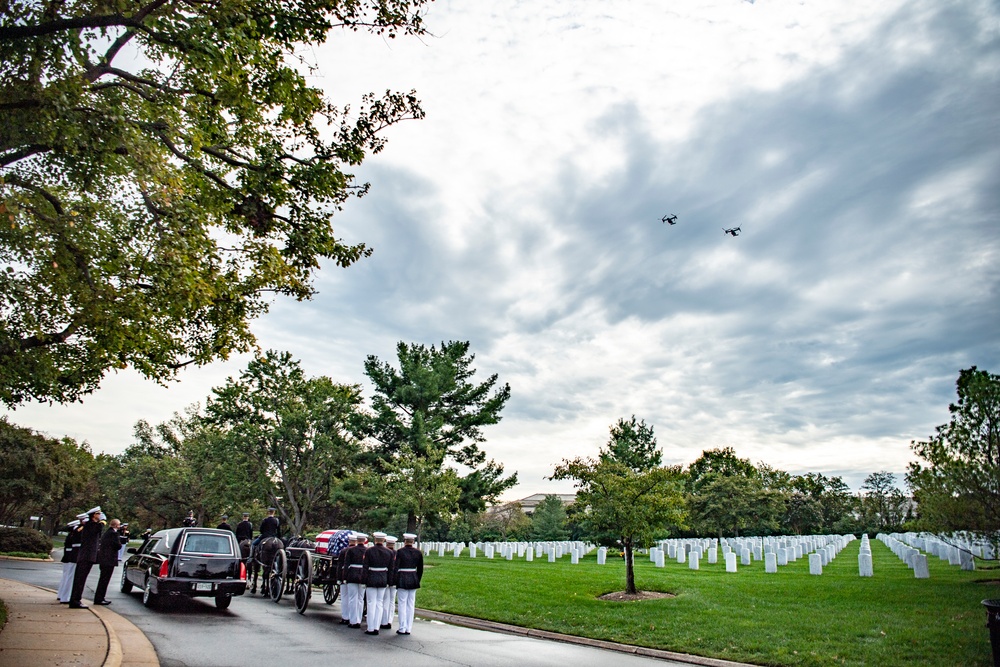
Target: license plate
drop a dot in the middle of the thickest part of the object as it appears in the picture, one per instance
(203, 587)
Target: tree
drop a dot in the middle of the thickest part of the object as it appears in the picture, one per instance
(548, 521)
(506, 522)
(164, 169)
(718, 462)
(633, 444)
(734, 504)
(27, 471)
(883, 505)
(634, 505)
(298, 433)
(834, 498)
(957, 484)
(157, 479)
(430, 410)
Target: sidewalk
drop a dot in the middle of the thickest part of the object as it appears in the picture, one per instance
(40, 631)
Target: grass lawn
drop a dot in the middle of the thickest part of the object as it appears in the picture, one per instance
(788, 618)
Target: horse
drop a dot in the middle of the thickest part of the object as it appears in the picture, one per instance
(259, 559)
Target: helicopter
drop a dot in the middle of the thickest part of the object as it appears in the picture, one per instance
(734, 231)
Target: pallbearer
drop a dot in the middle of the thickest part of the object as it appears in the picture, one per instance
(86, 555)
(225, 524)
(378, 561)
(354, 563)
(408, 568)
(389, 599)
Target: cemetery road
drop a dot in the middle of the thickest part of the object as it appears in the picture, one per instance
(255, 631)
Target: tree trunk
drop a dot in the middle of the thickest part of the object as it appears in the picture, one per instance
(629, 569)
(411, 523)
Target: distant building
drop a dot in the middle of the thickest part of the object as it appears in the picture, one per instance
(531, 502)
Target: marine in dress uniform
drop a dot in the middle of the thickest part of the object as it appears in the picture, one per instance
(90, 537)
(244, 529)
(69, 561)
(377, 563)
(354, 562)
(408, 569)
(225, 524)
(189, 521)
(389, 598)
(107, 559)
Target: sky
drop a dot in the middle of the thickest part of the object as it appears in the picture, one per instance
(855, 144)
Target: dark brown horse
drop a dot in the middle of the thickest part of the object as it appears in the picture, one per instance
(258, 560)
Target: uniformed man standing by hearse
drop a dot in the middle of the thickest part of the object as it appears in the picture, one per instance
(354, 563)
(408, 569)
(225, 524)
(86, 556)
(377, 562)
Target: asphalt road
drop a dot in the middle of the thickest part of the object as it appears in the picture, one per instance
(255, 631)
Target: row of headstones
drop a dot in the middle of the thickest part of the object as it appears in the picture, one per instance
(507, 550)
(914, 560)
(776, 551)
(957, 551)
(908, 546)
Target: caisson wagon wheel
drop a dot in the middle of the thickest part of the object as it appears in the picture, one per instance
(279, 573)
(331, 592)
(303, 581)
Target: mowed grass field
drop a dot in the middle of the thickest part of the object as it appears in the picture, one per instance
(788, 618)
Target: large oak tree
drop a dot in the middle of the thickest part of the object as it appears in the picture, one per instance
(165, 168)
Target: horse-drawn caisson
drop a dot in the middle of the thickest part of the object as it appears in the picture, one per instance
(296, 566)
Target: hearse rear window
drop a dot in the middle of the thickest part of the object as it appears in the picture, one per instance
(207, 544)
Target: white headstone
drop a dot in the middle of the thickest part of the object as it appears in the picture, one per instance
(770, 562)
(660, 560)
(552, 555)
(967, 561)
(730, 561)
(529, 554)
(472, 550)
(602, 555)
(693, 560)
(815, 563)
(745, 556)
(920, 569)
(713, 555)
(681, 555)
(865, 568)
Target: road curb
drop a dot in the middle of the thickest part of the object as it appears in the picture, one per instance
(494, 626)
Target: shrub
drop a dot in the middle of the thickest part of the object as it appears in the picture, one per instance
(25, 540)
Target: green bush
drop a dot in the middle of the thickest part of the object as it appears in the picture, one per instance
(25, 540)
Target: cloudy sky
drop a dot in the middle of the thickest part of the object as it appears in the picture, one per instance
(856, 144)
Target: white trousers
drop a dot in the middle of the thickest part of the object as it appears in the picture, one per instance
(374, 597)
(66, 583)
(353, 604)
(388, 604)
(407, 599)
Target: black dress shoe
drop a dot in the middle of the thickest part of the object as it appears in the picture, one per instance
(105, 602)
(385, 626)
(400, 632)
(354, 626)
(371, 632)
(77, 605)
(344, 621)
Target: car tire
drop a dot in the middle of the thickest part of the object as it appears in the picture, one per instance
(148, 596)
(126, 584)
(222, 601)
